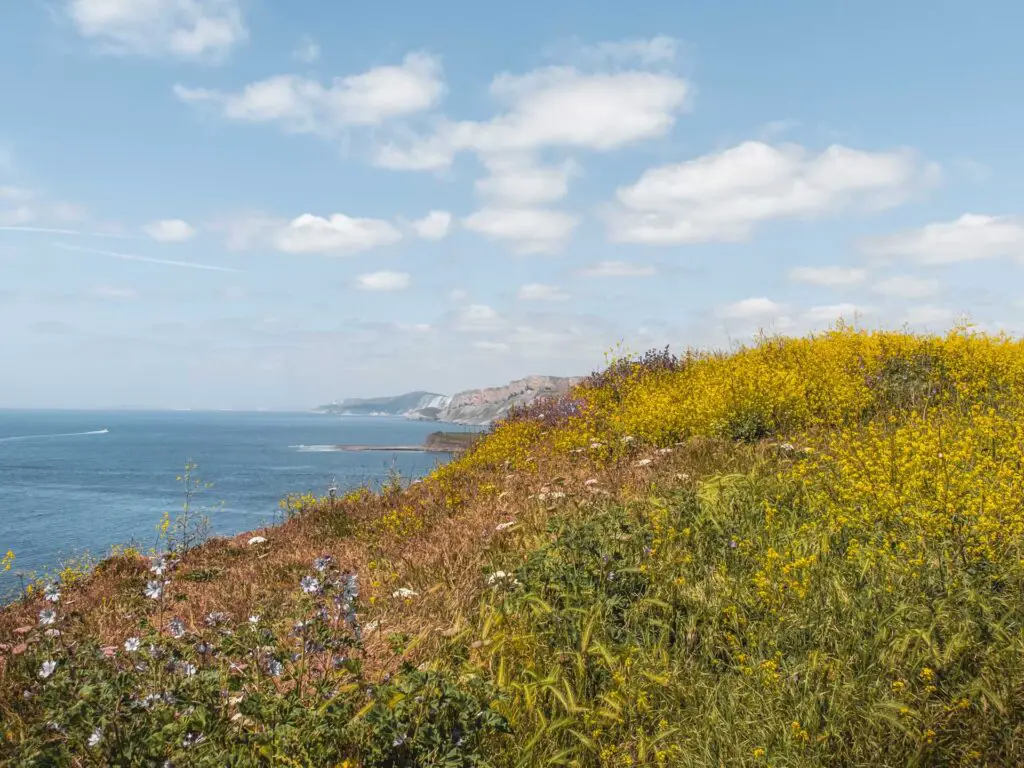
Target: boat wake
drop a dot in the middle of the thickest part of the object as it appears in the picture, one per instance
(18, 438)
(315, 448)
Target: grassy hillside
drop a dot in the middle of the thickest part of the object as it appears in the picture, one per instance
(806, 552)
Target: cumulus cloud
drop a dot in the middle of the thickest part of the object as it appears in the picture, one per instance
(302, 105)
(541, 292)
(552, 107)
(478, 317)
(617, 269)
(830, 277)
(383, 281)
(907, 287)
(723, 196)
(757, 308)
(434, 226)
(170, 230)
(187, 29)
(337, 233)
(518, 181)
(527, 230)
(971, 237)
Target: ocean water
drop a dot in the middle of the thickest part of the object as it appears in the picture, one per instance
(83, 481)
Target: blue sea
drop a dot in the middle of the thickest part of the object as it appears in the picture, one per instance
(74, 482)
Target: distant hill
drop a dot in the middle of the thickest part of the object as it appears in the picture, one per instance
(471, 406)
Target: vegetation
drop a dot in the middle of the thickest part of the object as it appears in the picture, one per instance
(804, 552)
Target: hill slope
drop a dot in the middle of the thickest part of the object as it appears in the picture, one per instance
(803, 553)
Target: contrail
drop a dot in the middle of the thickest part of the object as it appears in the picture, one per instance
(50, 231)
(146, 259)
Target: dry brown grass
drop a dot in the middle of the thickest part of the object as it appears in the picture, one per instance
(444, 563)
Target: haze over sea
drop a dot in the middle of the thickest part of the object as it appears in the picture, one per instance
(72, 481)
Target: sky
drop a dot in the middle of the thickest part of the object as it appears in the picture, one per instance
(254, 204)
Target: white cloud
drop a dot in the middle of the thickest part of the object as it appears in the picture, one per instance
(929, 316)
(645, 51)
(906, 287)
(723, 196)
(478, 317)
(529, 230)
(457, 294)
(617, 269)
(828, 276)
(188, 29)
(832, 312)
(553, 107)
(337, 234)
(434, 226)
(969, 238)
(541, 292)
(516, 180)
(170, 230)
(302, 105)
(751, 309)
(15, 216)
(383, 281)
(308, 51)
(491, 346)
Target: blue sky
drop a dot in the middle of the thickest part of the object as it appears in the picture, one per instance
(253, 204)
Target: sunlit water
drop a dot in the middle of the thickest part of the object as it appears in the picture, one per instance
(83, 481)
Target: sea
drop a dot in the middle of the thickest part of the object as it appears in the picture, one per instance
(76, 483)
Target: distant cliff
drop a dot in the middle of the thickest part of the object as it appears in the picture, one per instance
(472, 406)
(399, 405)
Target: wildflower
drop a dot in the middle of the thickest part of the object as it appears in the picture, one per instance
(254, 619)
(215, 618)
(187, 669)
(154, 590)
(275, 668)
(47, 616)
(310, 585)
(177, 628)
(131, 645)
(732, 544)
(351, 591)
(322, 563)
(52, 593)
(94, 739)
(504, 526)
(257, 540)
(404, 592)
(159, 566)
(47, 668)
(191, 739)
(203, 647)
(150, 700)
(759, 752)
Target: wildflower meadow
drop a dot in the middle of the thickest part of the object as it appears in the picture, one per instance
(802, 552)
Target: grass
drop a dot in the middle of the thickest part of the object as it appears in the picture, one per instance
(804, 552)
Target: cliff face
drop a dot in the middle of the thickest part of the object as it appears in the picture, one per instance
(482, 406)
(472, 406)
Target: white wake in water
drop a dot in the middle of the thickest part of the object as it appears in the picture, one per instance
(316, 448)
(46, 437)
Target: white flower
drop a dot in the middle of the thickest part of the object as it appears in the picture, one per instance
(159, 566)
(154, 590)
(52, 593)
(47, 669)
(643, 463)
(94, 739)
(322, 563)
(257, 540)
(504, 526)
(595, 445)
(187, 669)
(254, 619)
(275, 668)
(496, 576)
(310, 585)
(404, 592)
(177, 628)
(47, 616)
(132, 644)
